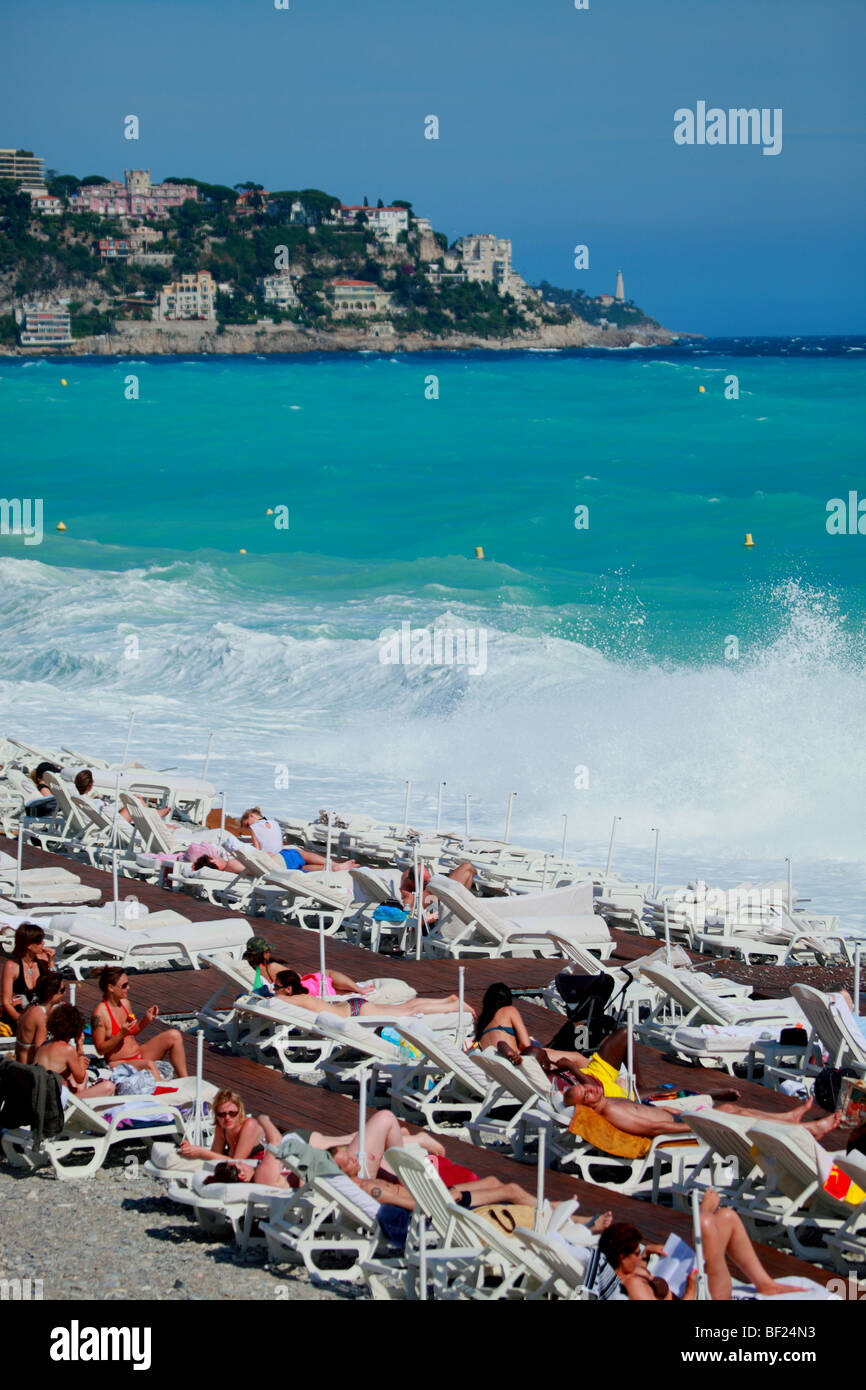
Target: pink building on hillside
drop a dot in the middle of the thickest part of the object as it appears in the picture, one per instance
(136, 197)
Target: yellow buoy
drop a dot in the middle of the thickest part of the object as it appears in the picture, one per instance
(269, 512)
(242, 552)
(702, 389)
(63, 381)
(748, 540)
(479, 552)
(61, 526)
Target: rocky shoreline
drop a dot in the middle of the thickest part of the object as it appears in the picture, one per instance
(117, 1237)
(142, 339)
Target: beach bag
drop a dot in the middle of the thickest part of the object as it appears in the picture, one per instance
(131, 1082)
(828, 1086)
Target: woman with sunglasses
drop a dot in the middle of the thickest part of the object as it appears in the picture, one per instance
(115, 1030)
(236, 1135)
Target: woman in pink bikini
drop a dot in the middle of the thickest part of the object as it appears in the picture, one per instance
(288, 986)
(115, 1029)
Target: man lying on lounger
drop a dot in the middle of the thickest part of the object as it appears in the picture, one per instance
(652, 1120)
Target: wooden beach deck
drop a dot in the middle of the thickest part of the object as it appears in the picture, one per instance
(181, 993)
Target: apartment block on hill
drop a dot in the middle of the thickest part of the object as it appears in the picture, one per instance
(193, 296)
(43, 324)
(358, 297)
(26, 168)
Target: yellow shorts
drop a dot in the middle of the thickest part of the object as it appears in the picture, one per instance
(604, 1072)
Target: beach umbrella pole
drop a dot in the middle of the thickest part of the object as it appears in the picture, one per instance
(544, 874)
(419, 901)
(20, 854)
(222, 816)
(199, 1068)
(667, 936)
(114, 881)
(116, 807)
(207, 757)
(702, 1291)
(406, 806)
(461, 989)
(632, 1080)
(362, 1123)
(790, 886)
(128, 737)
(655, 886)
(322, 951)
(439, 806)
(422, 1257)
(564, 838)
(328, 845)
(466, 836)
(539, 1183)
(857, 949)
(610, 846)
(511, 796)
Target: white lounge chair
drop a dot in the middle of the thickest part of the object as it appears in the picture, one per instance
(93, 1128)
(91, 942)
(834, 1024)
(475, 928)
(330, 1226)
(444, 1089)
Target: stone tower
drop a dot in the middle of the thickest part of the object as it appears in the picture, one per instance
(620, 289)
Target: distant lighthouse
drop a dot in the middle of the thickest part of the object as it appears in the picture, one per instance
(620, 289)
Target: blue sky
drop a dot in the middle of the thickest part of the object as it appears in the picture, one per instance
(556, 128)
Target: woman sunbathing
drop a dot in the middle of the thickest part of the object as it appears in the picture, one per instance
(64, 1054)
(267, 837)
(236, 1133)
(383, 1131)
(258, 954)
(724, 1237)
(288, 986)
(500, 1025)
(115, 1027)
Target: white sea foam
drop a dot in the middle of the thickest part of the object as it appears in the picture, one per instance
(757, 758)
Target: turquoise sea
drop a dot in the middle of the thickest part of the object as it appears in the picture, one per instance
(608, 648)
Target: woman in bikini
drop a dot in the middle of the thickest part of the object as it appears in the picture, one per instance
(499, 1025)
(30, 958)
(724, 1238)
(115, 1027)
(236, 1134)
(32, 1028)
(64, 1054)
(258, 954)
(288, 986)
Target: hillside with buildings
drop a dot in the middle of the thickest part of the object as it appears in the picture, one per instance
(97, 265)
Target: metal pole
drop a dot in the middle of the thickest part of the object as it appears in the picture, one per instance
(466, 839)
(73, 991)
(632, 1082)
(128, 737)
(461, 985)
(322, 951)
(857, 949)
(362, 1124)
(406, 807)
(544, 875)
(419, 900)
(790, 886)
(610, 847)
(667, 936)
(199, 1067)
(116, 806)
(207, 757)
(222, 816)
(114, 881)
(422, 1257)
(564, 837)
(539, 1184)
(439, 806)
(511, 796)
(328, 844)
(20, 855)
(655, 887)
(702, 1291)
